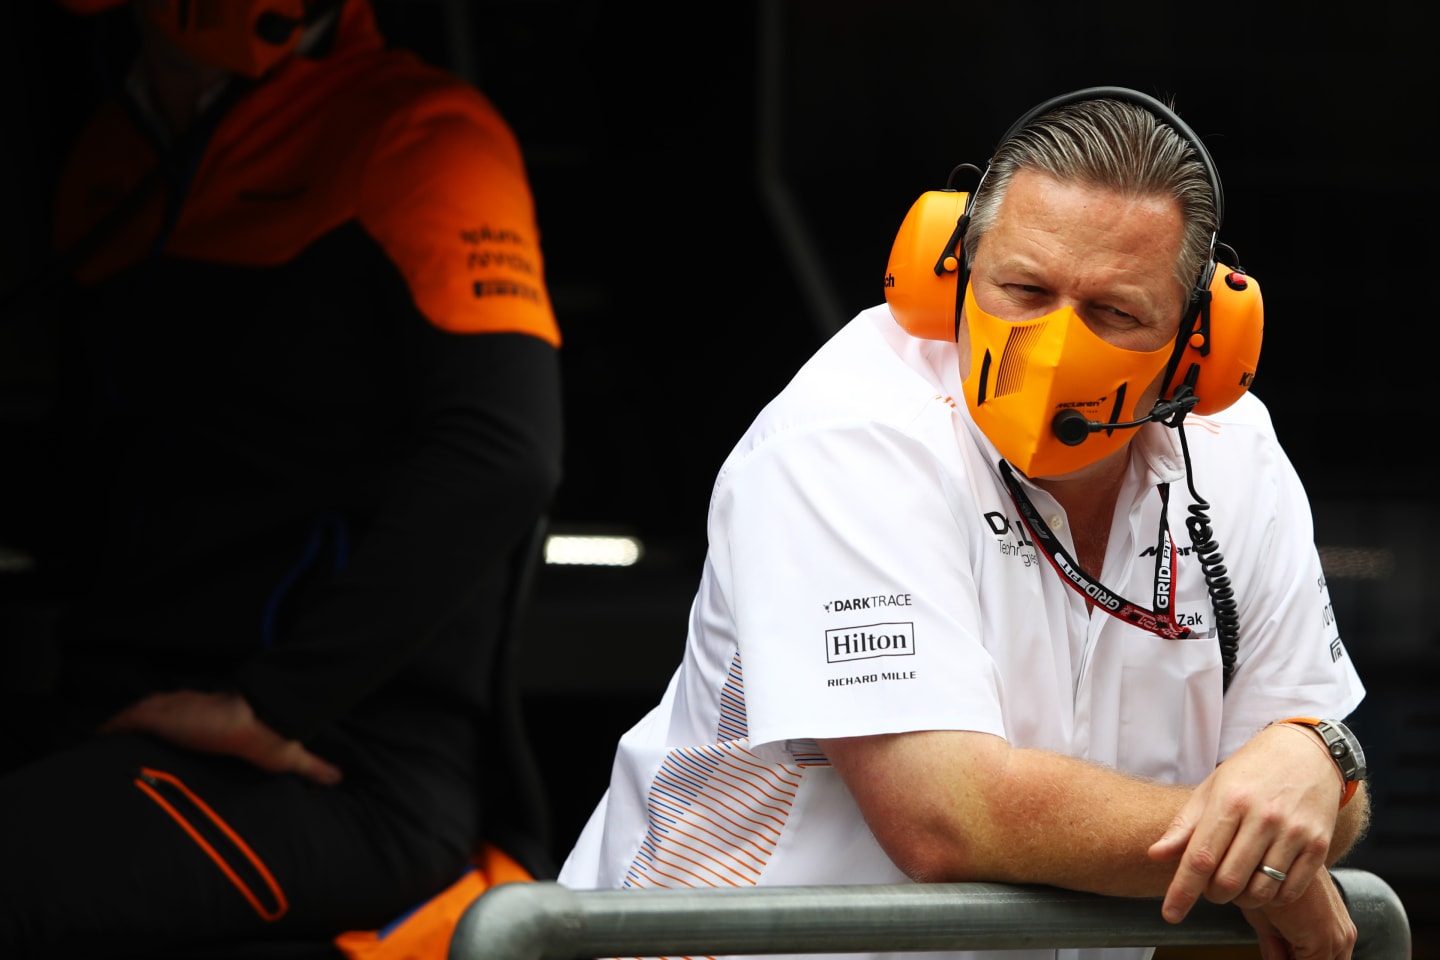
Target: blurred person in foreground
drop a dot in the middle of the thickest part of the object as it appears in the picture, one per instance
(307, 412)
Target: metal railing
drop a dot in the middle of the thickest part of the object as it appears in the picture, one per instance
(547, 921)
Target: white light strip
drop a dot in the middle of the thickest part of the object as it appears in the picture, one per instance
(15, 560)
(592, 551)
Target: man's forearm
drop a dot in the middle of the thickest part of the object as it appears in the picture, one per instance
(1350, 826)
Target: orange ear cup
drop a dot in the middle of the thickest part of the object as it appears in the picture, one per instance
(1237, 325)
(923, 302)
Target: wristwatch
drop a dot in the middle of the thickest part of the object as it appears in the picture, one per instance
(1344, 749)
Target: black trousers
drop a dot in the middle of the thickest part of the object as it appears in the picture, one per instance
(125, 846)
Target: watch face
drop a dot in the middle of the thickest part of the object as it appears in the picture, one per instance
(1344, 747)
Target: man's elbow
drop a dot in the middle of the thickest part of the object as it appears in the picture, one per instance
(940, 855)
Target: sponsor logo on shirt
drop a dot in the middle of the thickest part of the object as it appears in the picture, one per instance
(505, 288)
(871, 678)
(489, 248)
(484, 260)
(868, 603)
(1011, 537)
(869, 641)
(1327, 620)
(1179, 552)
(487, 234)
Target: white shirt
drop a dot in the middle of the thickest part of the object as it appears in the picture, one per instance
(868, 573)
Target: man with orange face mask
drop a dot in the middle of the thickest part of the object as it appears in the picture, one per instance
(308, 411)
(946, 630)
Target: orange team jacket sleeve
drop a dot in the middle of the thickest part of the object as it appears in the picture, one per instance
(446, 195)
(424, 162)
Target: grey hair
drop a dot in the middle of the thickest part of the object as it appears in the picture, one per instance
(1115, 145)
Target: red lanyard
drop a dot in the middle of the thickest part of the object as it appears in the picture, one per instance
(1160, 620)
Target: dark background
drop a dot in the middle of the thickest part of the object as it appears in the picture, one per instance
(717, 191)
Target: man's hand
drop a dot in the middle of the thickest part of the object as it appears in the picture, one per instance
(220, 723)
(1244, 815)
(1315, 927)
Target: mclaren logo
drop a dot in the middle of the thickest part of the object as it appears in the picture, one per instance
(871, 640)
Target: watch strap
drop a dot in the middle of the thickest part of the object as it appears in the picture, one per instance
(1349, 786)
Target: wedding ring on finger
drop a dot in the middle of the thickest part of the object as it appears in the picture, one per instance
(1277, 875)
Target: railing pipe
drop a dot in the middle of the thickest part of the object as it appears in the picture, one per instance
(547, 921)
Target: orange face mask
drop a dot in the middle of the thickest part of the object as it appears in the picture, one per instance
(1022, 375)
(247, 37)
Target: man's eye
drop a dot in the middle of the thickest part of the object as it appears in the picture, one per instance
(1023, 291)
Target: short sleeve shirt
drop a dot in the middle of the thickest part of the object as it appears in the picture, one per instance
(868, 573)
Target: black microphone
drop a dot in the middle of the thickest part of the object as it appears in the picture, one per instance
(1072, 427)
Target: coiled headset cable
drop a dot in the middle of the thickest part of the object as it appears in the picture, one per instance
(1212, 564)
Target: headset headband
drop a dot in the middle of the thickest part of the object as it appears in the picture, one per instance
(1156, 107)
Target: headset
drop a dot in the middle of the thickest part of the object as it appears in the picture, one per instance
(1218, 345)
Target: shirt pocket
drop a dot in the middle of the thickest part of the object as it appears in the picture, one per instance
(1170, 707)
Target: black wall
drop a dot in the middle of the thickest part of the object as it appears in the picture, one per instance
(676, 276)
